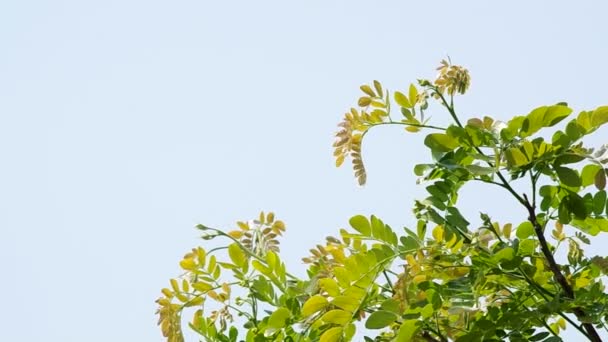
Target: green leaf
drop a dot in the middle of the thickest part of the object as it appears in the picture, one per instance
(526, 247)
(331, 335)
(427, 311)
(439, 142)
(545, 116)
(576, 205)
(599, 202)
(402, 100)
(407, 331)
(314, 304)
(421, 169)
(480, 170)
(279, 318)
(380, 319)
(237, 255)
(600, 180)
(591, 225)
(563, 211)
(506, 253)
(361, 224)
(391, 305)
(588, 174)
(525, 230)
(568, 176)
(336, 316)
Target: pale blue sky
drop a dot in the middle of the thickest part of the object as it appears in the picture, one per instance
(125, 123)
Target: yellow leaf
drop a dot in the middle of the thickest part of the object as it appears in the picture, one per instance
(167, 293)
(314, 304)
(188, 264)
(201, 255)
(226, 288)
(243, 225)
(202, 286)
(237, 234)
(562, 323)
(212, 264)
(195, 301)
(213, 295)
(378, 88)
(339, 160)
(366, 89)
(419, 278)
(506, 230)
(163, 301)
(438, 233)
(457, 246)
(175, 285)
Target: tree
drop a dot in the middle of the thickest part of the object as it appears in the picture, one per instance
(443, 280)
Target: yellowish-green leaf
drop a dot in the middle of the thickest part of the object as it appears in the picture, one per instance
(413, 94)
(261, 268)
(407, 331)
(336, 316)
(330, 286)
(279, 318)
(439, 142)
(368, 90)
(202, 286)
(438, 233)
(314, 304)
(332, 335)
(402, 100)
(347, 303)
(525, 230)
(599, 116)
(237, 255)
(515, 157)
(361, 224)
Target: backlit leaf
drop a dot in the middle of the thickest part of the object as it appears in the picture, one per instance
(439, 142)
(361, 224)
(314, 304)
(402, 100)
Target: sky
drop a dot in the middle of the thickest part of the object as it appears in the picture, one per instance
(125, 123)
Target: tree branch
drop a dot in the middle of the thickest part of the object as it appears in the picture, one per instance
(557, 273)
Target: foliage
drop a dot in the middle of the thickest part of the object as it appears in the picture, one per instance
(443, 280)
